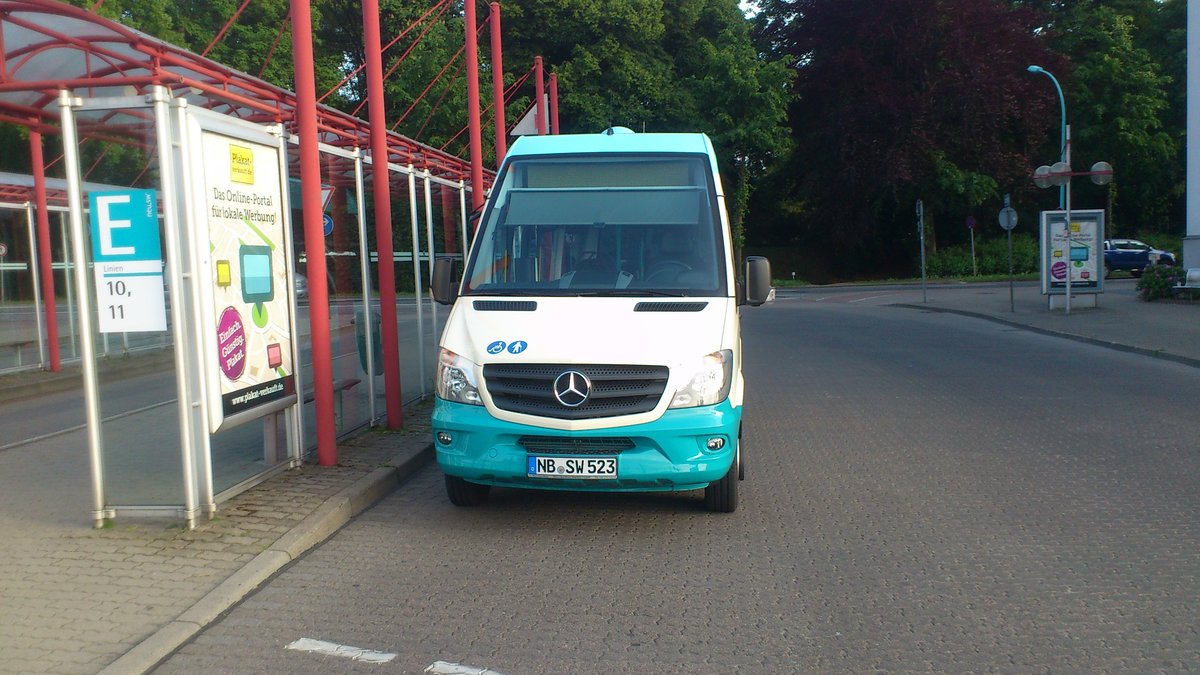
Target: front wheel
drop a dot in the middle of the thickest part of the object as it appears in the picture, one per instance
(721, 496)
(465, 493)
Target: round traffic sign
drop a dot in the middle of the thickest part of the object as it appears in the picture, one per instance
(1008, 218)
(1101, 173)
(3, 249)
(1041, 176)
(327, 224)
(1060, 173)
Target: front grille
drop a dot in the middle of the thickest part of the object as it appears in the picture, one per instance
(616, 389)
(568, 445)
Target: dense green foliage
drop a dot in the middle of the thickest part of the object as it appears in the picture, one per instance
(1117, 102)
(659, 65)
(830, 117)
(896, 100)
(991, 257)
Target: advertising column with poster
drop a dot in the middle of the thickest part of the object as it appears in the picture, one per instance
(243, 250)
(1081, 255)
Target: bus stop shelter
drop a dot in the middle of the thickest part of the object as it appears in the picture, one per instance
(121, 102)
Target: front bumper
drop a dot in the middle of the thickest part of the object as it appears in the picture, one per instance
(669, 453)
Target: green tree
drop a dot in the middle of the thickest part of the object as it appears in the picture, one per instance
(687, 65)
(153, 17)
(1165, 39)
(247, 44)
(419, 50)
(192, 24)
(1125, 103)
(896, 100)
(652, 65)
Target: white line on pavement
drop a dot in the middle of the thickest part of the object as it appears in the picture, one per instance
(444, 668)
(334, 649)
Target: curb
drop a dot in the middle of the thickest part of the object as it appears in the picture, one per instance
(315, 528)
(1155, 353)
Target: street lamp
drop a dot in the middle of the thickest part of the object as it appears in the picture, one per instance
(1060, 173)
(1062, 103)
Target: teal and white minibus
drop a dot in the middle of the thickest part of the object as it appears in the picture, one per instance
(594, 339)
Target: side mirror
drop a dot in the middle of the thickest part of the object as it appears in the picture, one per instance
(758, 280)
(445, 286)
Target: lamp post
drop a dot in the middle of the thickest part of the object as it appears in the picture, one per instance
(1062, 104)
(1063, 166)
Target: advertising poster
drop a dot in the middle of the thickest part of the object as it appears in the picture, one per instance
(1078, 251)
(249, 277)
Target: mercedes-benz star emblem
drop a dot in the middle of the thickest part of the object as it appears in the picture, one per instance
(572, 388)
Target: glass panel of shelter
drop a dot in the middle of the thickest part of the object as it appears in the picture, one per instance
(142, 457)
(19, 345)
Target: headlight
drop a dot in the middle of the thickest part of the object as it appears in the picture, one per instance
(709, 383)
(455, 379)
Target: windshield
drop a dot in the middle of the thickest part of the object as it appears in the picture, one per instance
(625, 225)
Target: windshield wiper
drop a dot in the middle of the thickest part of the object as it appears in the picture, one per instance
(500, 292)
(630, 293)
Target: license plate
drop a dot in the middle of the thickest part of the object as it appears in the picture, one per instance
(572, 467)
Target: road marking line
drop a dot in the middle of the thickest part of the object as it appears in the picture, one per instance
(870, 297)
(334, 649)
(446, 668)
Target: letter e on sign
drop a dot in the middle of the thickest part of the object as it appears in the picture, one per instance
(107, 224)
(241, 165)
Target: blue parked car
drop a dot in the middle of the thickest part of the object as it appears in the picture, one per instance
(1132, 256)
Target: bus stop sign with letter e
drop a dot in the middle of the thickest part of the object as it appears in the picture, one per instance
(128, 261)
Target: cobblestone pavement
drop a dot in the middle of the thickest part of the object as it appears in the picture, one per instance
(75, 599)
(925, 492)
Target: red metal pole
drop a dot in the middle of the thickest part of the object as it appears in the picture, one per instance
(45, 271)
(314, 234)
(498, 85)
(475, 142)
(554, 103)
(539, 87)
(383, 215)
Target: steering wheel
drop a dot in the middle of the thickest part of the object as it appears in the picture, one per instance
(665, 270)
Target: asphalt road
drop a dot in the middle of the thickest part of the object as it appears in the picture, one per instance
(924, 492)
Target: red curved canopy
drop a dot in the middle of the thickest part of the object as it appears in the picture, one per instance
(49, 46)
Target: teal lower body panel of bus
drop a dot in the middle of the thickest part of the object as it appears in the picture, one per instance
(685, 449)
